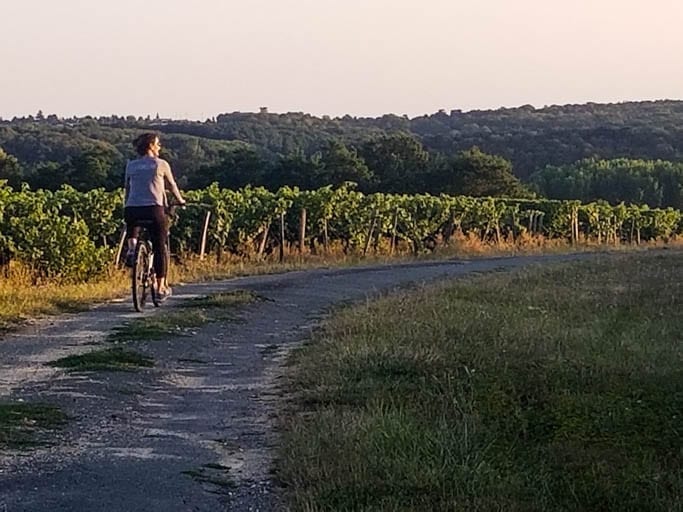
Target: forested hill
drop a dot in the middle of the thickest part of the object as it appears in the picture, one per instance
(533, 138)
(529, 138)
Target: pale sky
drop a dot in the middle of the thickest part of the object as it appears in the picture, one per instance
(196, 59)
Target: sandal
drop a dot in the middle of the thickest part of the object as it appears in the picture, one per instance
(165, 294)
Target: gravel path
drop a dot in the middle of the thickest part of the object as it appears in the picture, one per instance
(193, 433)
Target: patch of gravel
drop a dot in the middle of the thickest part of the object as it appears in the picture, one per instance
(194, 433)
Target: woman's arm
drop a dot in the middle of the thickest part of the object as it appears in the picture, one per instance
(126, 186)
(168, 175)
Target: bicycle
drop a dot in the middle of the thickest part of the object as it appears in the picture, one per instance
(143, 278)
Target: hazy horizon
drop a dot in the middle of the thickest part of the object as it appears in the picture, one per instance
(269, 111)
(363, 58)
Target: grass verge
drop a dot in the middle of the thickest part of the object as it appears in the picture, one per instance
(554, 388)
(111, 359)
(25, 425)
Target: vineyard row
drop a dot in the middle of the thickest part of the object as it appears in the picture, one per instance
(74, 235)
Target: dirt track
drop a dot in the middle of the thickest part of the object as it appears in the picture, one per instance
(142, 441)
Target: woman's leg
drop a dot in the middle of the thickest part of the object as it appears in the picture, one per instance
(160, 244)
(131, 214)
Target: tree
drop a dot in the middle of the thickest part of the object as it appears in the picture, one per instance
(654, 182)
(398, 161)
(475, 173)
(295, 170)
(93, 169)
(341, 164)
(236, 169)
(10, 169)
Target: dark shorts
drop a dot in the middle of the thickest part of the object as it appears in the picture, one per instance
(158, 230)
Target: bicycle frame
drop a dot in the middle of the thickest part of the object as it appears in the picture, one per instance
(142, 274)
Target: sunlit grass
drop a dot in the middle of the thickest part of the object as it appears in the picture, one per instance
(552, 388)
(20, 299)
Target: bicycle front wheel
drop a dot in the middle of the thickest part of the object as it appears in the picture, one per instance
(140, 277)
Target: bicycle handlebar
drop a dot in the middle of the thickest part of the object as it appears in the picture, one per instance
(174, 206)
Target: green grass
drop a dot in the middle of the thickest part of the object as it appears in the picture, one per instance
(554, 388)
(222, 300)
(215, 476)
(111, 359)
(184, 320)
(24, 425)
(158, 327)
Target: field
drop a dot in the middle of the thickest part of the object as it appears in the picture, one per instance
(552, 388)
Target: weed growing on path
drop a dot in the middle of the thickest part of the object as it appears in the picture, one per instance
(185, 319)
(158, 327)
(24, 425)
(214, 477)
(111, 359)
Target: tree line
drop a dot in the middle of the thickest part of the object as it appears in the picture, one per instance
(529, 137)
(548, 151)
(395, 163)
(656, 183)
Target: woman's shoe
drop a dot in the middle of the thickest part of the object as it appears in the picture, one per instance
(165, 294)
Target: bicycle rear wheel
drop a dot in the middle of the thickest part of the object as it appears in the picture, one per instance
(140, 276)
(168, 259)
(156, 296)
(153, 284)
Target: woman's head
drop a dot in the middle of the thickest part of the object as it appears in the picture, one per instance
(147, 142)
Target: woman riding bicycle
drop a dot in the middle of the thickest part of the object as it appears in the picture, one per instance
(145, 200)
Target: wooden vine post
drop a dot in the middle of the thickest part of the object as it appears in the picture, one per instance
(302, 230)
(326, 240)
(572, 235)
(371, 231)
(119, 250)
(205, 231)
(282, 237)
(264, 238)
(450, 228)
(392, 246)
